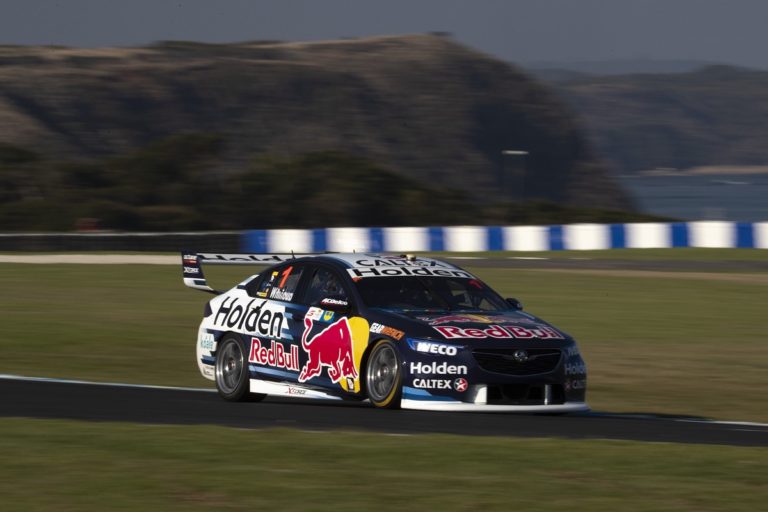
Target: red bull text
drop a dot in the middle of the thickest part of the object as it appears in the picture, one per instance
(275, 355)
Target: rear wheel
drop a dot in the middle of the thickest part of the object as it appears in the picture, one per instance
(232, 380)
(383, 376)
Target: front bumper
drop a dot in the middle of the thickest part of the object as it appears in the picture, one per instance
(477, 399)
(429, 405)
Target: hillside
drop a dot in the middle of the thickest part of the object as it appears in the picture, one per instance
(422, 106)
(711, 117)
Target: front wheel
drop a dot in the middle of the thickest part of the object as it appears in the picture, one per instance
(383, 376)
(232, 380)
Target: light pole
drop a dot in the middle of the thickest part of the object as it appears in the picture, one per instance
(506, 181)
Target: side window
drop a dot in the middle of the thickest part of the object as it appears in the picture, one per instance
(255, 286)
(324, 283)
(281, 283)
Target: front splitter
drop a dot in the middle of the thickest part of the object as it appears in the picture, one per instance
(430, 405)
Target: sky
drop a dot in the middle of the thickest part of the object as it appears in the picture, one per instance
(531, 31)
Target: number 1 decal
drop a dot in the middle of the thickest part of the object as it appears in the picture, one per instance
(285, 275)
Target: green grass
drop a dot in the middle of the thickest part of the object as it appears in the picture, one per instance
(653, 344)
(128, 323)
(61, 465)
(658, 344)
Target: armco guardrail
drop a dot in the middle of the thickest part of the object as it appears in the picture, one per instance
(511, 238)
(412, 239)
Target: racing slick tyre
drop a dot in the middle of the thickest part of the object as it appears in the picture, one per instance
(232, 380)
(383, 376)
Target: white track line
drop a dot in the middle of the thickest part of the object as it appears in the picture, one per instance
(633, 416)
(734, 423)
(4, 376)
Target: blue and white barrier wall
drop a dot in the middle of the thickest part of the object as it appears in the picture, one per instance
(711, 234)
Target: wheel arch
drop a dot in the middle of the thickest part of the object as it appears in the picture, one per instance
(397, 346)
(367, 355)
(242, 392)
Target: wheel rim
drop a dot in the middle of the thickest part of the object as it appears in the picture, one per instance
(382, 373)
(229, 367)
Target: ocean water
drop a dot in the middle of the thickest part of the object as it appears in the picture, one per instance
(735, 197)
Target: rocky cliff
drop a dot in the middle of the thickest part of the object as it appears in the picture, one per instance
(423, 106)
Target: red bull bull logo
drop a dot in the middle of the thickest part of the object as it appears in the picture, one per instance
(332, 348)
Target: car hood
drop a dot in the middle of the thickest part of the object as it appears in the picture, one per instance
(490, 325)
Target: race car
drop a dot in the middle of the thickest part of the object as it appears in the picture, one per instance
(397, 330)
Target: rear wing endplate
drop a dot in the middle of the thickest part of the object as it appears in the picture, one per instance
(192, 264)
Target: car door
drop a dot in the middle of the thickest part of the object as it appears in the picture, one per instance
(333, 340)
(273, 337)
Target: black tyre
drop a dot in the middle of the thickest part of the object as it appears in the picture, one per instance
(232, 371)
(384, 376)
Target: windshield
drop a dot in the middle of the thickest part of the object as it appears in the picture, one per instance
(411, 293)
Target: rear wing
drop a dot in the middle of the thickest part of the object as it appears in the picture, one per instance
(192, 264)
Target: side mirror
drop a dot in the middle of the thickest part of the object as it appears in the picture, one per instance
(516, 304)
(335, 303)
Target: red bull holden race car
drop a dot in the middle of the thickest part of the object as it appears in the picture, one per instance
(399, 331)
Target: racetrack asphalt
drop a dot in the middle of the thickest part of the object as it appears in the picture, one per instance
(31, 398)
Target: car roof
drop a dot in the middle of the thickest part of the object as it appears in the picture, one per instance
(367, 260)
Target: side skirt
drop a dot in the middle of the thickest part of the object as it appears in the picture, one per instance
(288, 389)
